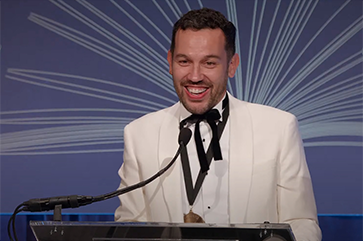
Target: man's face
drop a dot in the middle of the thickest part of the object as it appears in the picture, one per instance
(200, 68)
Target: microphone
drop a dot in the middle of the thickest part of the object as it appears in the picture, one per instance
(46, 204)
(75, 201)
(184, 136)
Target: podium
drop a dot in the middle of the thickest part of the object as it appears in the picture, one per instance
(117, 231)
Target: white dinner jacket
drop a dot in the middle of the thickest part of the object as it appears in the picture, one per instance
(268, 175)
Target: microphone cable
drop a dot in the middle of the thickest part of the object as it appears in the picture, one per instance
(11, 222)
(74, 201)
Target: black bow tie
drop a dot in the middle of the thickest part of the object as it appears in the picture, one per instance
(211, 117)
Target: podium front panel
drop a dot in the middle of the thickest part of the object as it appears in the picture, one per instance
(118, 231)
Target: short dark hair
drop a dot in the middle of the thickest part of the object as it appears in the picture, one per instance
(207, 18)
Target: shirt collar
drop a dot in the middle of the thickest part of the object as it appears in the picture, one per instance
(184, 113)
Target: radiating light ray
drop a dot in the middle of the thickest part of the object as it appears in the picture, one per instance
(337, 107)
(293, 36)
(285, 39)
(250, 51)
(309, 43)
(261, 88)
(310, 91)
(42, 21)
(61, 152)
(148, 20)
(175, 6)
(285, 56)
(232, 16)
(76, 86)
(37, 19)
(256, 78)
(63, 120)
(229, 86)
(136, 54)
(307, 92)
(330, 102)
(200, 3)
(187, 5)
(61, 137)
(79, 92)
(71, 110)
(333, 143)
(238, 76)
(317, 130)
(330, 117)
(71, 118)
(348, 91)
(82, 87)
(136, 22)
(107, 34)
(319, 58)
(334, 103)
(128, 48)
(105, 82)
(143, 72)
(65, 136)
(51, 143)
(172, 9)
(16, 144)
(90, 143)
(249, 79)
(38, 122)
(77, 145)
(61, 130)
(163, 13)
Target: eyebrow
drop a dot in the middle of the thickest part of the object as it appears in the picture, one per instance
(205, 57)
(212, 56)
(181, 56)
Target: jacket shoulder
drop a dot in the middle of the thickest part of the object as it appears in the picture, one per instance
(269, 111)
(260, 110)
(263, 114)
(153, 119)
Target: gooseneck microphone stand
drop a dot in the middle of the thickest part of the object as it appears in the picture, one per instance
(75, 201)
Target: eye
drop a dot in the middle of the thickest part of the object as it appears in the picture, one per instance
(183, 62)
(210, 64)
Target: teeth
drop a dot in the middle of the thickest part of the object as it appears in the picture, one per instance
(196, 90)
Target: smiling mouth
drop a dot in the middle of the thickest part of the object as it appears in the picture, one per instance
(196, 91)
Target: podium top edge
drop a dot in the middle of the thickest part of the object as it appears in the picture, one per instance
(163, 224)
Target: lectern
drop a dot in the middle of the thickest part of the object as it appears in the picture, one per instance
(117, 231)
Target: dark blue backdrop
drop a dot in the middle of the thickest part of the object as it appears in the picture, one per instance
(73, 73)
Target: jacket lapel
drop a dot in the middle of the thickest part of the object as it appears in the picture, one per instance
(171, 180)
(241, 160)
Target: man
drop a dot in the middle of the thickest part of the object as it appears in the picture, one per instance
(256, 172)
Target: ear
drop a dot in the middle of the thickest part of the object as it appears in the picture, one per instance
(170, 61)
(233, 64)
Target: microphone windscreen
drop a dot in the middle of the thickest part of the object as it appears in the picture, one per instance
(185, 135)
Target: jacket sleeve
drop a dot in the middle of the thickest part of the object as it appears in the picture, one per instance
(132, 204)
(296, 202)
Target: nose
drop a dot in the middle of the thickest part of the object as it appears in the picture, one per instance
(195, 74)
